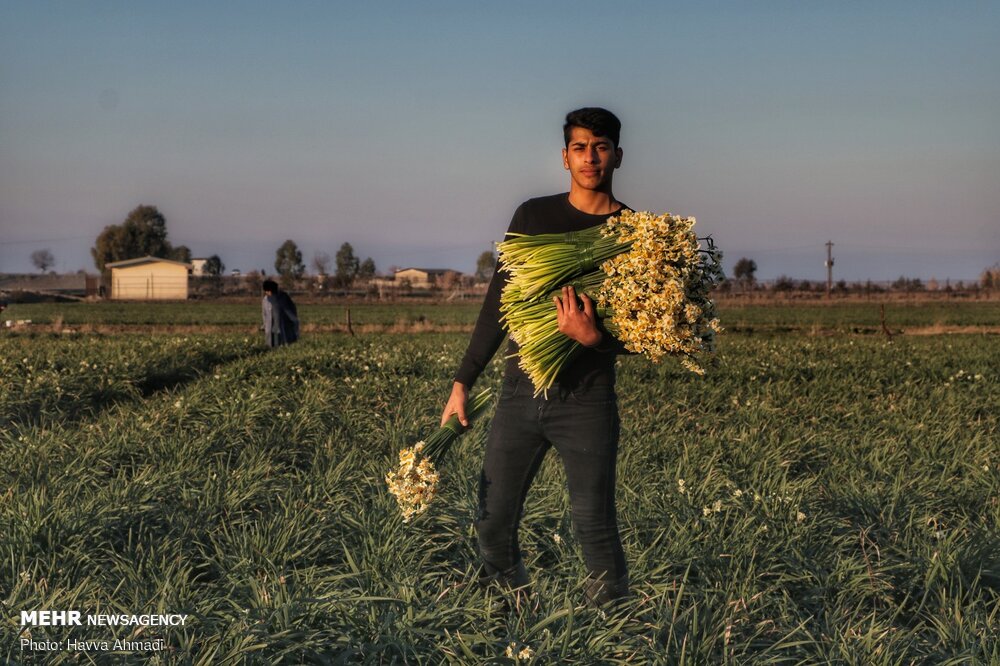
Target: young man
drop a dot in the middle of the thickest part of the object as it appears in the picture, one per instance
(281, 318)
(580, 416)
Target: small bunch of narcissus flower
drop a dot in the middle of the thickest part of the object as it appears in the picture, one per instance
(415, 482)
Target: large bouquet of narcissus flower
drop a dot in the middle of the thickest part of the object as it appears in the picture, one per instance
(649, 275)
(415, 482)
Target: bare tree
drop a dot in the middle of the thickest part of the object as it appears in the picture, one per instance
(253, 281)
(321, 263)
(43, 259)
(989, 279)
(448, 280)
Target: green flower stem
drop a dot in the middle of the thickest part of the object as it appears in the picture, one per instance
(519, 313)
(540, 262)
(438, 444)
(543, 350)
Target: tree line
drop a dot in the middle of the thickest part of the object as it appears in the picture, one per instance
(348, 267)
(744, 280)
(144, 232)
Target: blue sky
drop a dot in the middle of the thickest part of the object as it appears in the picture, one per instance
(413, 130)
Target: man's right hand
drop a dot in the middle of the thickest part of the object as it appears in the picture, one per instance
(456, 404)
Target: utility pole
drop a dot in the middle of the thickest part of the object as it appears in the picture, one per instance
(829, 267)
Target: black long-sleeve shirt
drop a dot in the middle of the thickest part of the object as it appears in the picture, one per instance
(596, 365)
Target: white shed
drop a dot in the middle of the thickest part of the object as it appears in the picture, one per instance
(423, 278)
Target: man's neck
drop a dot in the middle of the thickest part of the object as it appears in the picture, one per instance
(593, 202)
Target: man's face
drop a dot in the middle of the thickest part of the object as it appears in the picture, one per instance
(591, 160)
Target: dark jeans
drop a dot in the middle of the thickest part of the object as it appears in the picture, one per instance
(583, 426)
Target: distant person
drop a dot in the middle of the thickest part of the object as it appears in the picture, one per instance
(281, 318)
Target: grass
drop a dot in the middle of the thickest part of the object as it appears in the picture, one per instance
(813, 500)
(860, 316)
(837, 316)
(246, 314)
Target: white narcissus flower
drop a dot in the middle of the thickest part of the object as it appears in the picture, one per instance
(414, 482)
(651, 290)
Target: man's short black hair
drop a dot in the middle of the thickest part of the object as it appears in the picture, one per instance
(599, 121)
(270, 285)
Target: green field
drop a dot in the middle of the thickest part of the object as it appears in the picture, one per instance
(813, 499)
(849, 316)
(207, 313)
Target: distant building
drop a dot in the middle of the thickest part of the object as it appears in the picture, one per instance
(425, 278)
(149, 278)
(198, 266)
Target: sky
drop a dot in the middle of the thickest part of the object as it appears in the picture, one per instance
(413, 130)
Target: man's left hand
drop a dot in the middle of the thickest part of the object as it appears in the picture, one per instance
(578, 324)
